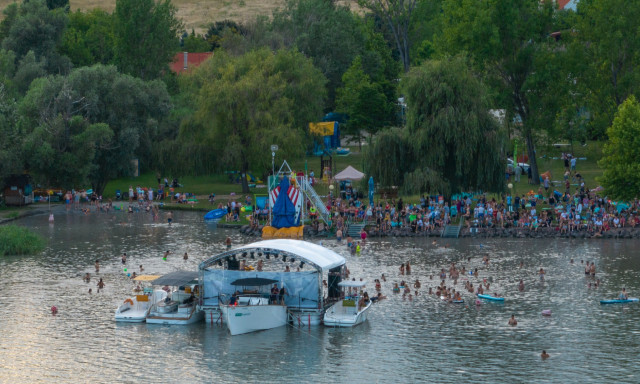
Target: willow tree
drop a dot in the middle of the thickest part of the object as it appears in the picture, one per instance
(452, 141)
(245, 104)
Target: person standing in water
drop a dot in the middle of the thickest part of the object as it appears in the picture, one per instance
(228, 242)
(169, 217)
(544, 355)
(512, 321)
(521, 286)
(97, 266)
(185, 257)
(100, 285)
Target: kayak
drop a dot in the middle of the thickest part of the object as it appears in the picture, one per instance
(215, 214)
(489, 297)
(620, 301)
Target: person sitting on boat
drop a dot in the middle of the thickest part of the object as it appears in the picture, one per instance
(166, 289)
(234, 299)
(190, 299)
(623, 294)
(366, 297)
(138, 288)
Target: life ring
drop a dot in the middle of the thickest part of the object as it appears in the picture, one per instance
(128, 301)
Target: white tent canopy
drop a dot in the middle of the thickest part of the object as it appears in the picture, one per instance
(321, 257)
(349, 173)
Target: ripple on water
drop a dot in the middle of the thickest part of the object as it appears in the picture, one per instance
(422, 340)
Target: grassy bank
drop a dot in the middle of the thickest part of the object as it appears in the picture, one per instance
(15, 240)
(548, 160)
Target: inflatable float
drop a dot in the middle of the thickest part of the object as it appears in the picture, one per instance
(489, 297)
(620, 301)
(215, 214)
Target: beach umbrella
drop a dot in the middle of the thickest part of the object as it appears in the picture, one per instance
(371, 190)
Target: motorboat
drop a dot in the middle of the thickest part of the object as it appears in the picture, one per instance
(352, 309)
(136, 308)
(180, 304)
(252, 310)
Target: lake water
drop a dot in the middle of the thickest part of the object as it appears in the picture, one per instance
(404, 341)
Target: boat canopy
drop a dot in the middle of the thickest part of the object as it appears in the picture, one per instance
(254, 281)
(315, 255)
(146, 277)
(352, 283)
(177, 278)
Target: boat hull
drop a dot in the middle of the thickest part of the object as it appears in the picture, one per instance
(246, 319)
(337, 317)
(176, 318)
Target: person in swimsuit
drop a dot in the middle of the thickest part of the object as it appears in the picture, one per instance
(396, 289)
(185, 257)
(100, 284)
(97, 266)
(169, 217)
(592, 269)
(541, 274)
(521, 286)
(512, 321)
(623, 294)
(544, 355)
(587, 269)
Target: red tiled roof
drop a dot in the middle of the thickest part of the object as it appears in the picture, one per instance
(562, 3)
(193, 60)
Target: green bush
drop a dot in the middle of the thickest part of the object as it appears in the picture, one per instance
(15, 240)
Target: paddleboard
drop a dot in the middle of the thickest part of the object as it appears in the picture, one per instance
(620, 301)
(488, 297)
(215, 214)
(444, 299)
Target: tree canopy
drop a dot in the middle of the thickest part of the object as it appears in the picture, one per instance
(89, 125)
(621, 153)
(504, 37)
(451, 143)
(146, 36)
(246, 103)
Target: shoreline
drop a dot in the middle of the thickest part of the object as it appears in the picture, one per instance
(542, 233)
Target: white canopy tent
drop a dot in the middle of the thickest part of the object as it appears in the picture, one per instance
(349, 173)
(304, 287)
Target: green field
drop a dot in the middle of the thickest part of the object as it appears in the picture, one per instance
(219, 184)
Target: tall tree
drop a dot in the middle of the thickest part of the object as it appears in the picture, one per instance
(452, 143)
(331, 35)
(397, 14)
(38, 29)
(146, 36)
(96, 105)
(506, 50)
(621, 153)
(247, 103)
(10, 154)
(605, 34)
(89, 39)
(362, 100)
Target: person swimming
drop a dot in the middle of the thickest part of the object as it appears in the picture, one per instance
(544, 355)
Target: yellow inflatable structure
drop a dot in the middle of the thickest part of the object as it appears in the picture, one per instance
(269, 232)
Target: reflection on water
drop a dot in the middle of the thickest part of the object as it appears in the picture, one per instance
(423, 340)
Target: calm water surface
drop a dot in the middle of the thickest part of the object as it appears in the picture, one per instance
(404, 341)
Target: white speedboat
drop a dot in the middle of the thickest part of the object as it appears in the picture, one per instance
(350, 311)
(180, 305)
(136, 308)
(253, 310)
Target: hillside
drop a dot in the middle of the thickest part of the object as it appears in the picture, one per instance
(196, 14)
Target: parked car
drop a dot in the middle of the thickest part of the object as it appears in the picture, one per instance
(524, 166)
